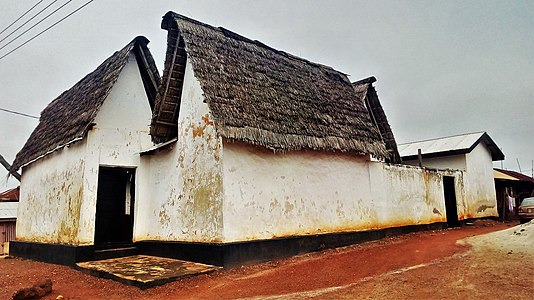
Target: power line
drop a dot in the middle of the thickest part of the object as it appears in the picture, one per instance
(45, 30)
(20, 17)
(33, 26)
(34, 16)
(18, 113)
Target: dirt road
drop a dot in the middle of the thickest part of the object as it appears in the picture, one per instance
(427, 265)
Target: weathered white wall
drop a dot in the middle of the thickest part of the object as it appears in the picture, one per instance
(309, 192)
(181, 188)
(479, 198)
(410, 195)
(453, 162)
(121, 132)
(58, 192)
(479, 184)
(51, 197)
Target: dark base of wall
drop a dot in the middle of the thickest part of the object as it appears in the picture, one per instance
(236, 254)
(221, 254)
(51, 253)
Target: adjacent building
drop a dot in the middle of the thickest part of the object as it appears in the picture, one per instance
(9, 201)
(471, 153)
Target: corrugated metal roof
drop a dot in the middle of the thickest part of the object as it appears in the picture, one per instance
(8, 210)
(458, 144)
(500, 175)
(513, 174)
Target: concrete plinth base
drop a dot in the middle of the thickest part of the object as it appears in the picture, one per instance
(144, 271)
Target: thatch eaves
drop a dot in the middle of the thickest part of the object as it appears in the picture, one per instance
(261, 95)
(68, 117)
(367, 94)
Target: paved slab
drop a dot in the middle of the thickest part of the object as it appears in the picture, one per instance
(144, 271)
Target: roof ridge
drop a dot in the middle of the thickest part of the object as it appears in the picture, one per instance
(368, 80)
(441, 138)
(231, 34)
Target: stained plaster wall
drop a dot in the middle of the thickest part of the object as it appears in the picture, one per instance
(51, 197)
(121, 131)
(181, 190)
(453, 162)
(479, 193)
(481, 198)
(270, 195)
(58, 192)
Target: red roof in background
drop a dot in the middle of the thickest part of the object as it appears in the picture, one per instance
(10, 195)
(519, 176)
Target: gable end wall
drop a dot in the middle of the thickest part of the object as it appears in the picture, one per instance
(480, 184)
(181, 189)
(58, 192)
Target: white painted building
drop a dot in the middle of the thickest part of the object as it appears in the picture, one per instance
(240, 153)
(253, 157)
(96, 128)
(473, 154)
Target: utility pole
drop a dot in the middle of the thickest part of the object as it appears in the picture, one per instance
(7, 165)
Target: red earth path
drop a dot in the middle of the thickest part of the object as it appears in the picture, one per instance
(329, 268)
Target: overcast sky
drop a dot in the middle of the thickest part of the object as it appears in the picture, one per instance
(443, 67)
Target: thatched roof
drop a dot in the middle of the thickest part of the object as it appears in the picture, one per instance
(68, 117)
(367, 94)
(261, 95)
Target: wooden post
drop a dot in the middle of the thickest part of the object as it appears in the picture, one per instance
(6, 165)
(420, 157)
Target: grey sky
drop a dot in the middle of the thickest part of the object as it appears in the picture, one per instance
(443, 67)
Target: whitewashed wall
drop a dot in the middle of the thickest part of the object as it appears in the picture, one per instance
(58, 192)
(51, 197)
(271, 195)
(181, 185)
(481, 198)
(122, 130)
(453, 162)
(406, 195)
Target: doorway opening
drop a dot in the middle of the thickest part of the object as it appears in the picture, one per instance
(115, 206)
(450, 201)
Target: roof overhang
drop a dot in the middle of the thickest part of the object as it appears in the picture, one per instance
(157, 147)
(501, 176)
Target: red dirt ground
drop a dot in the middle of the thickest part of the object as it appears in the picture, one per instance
(310, 272)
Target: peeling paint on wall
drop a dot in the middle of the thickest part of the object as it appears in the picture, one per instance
(310, 192)
(51, 197)
(58, 192)
(475, 186)
(186, 195)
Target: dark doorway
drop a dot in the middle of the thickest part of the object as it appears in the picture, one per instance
(114, 206)
(450, 201)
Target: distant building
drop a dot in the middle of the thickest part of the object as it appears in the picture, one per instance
(472, 153)
(9, 201)
(514, 185)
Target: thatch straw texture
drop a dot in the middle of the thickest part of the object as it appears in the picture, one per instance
(270, 98)
(68, 117)
(368, 96)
